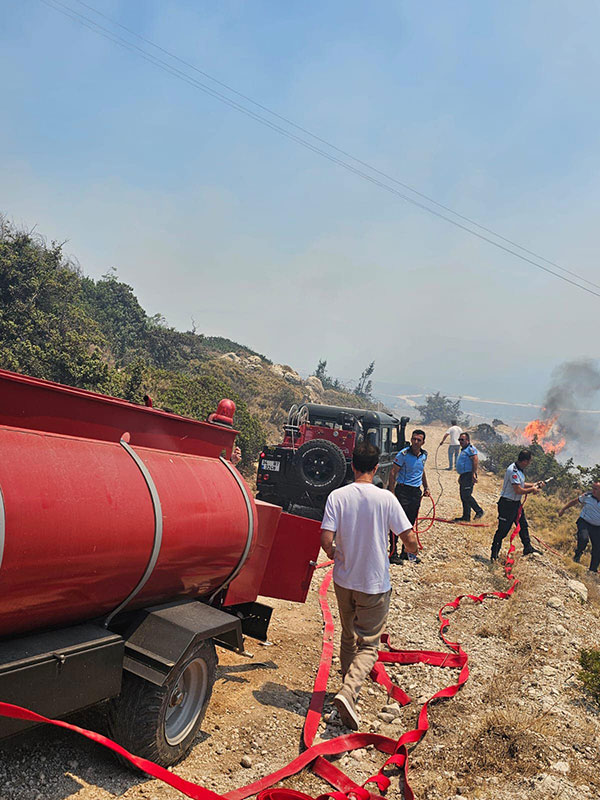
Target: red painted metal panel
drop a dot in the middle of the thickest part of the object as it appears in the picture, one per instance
(205, 524)
(345, 440)
(289, 570)
(45, 406)
(244, 589)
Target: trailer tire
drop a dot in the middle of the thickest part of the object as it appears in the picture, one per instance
(160, 723)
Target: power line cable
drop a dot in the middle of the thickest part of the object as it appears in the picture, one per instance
(67, 11)
(337, 149)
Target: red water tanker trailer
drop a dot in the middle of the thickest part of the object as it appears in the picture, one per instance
(129, 547)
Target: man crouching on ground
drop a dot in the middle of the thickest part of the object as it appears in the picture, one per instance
(360, 516)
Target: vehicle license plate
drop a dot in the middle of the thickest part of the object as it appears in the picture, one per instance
(273, 466)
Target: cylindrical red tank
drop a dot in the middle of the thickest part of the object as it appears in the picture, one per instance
(80, 527)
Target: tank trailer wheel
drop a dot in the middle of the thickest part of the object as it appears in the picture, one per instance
(160, 722)
(320, 464)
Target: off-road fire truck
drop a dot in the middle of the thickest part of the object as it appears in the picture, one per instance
(315, 455)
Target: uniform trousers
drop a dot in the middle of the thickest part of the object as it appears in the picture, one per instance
(507, 516)
(586, 532)
(410, 500)
(465, 483)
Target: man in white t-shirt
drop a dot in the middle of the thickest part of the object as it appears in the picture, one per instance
(454, 447)
(354, 532)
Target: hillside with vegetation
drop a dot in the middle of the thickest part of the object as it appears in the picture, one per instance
(58, 324)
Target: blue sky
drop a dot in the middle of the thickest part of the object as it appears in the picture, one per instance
(491, 108)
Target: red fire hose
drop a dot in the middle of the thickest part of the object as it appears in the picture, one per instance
(314, 754)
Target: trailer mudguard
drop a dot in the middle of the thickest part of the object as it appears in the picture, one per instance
(158, 638)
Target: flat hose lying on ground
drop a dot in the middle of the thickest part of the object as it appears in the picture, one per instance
(313, 756)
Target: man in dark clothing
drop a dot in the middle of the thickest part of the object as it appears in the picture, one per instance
(406, 476)
(510, 502)
(466, 466)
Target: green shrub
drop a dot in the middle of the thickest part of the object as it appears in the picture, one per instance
(590, 672)
(439, 407)
(566, 477)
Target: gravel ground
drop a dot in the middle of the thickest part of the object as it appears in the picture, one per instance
(521, 727)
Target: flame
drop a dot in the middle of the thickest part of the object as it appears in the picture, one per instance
(546, 432)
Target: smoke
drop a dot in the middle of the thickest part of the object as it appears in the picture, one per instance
(574, 391)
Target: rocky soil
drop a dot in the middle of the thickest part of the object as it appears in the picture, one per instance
(522, 726)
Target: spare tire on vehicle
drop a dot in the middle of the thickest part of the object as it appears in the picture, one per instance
(320, 465)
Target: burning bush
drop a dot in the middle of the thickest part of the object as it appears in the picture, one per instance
(546, 432)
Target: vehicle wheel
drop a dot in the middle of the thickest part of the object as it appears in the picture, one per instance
(320, 465)
(160, 722)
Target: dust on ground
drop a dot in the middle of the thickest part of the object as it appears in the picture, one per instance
(521, 726)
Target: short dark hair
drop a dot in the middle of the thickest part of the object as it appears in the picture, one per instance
(365, 457)
(453, 421)
(525, 455)
(468, 436)
(420, 432)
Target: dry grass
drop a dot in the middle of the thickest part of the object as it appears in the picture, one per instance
(507, 738)
(504, 631)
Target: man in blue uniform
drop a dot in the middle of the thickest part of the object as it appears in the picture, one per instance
(466, 466)
(509, 503)
(406, 476)
(588, 524)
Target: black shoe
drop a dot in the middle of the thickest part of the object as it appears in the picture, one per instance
(479, 514)
(395, 559)
(527, 551)
(577, 558)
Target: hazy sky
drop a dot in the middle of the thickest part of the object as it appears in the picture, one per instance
(491, 108)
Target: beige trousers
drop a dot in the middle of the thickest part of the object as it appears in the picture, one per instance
(363, 618)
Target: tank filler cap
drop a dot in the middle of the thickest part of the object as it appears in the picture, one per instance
(224, 413)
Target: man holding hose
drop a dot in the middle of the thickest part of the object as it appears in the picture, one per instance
(513, 490)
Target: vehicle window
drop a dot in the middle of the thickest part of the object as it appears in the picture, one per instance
(395, 435)
(385, 440)
(373, 437)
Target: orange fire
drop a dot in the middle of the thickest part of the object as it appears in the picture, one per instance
(547, 435)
